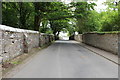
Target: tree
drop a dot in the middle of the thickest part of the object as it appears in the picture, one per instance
(16, 14)
(81, 14)
(57, 26)
(56, 16)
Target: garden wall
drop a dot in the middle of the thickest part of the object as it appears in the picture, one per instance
(0, 71)
(105, 41)
(0, 42)
(46, 38)
(14, 42)
(119, 45)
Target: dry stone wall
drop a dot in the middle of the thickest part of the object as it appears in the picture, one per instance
(0, 54)
(78, 37)
(45, 39)
(107, 41)
(32, 40)
(14, 42)
(119, 45)
(0, 42)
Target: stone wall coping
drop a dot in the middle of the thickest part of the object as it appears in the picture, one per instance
(101, 33)
(45, 34)
(7, 28)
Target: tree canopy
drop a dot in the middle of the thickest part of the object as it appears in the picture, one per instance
(53, 17)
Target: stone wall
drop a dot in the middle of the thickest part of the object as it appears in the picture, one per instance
(78, 37)
(0, 54)
(46, 39)
(119, 45)
(0, 68)
(0, 42)
(107, 41)
(14, 42)
(32, 40)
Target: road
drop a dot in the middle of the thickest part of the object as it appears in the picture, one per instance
(67, 59)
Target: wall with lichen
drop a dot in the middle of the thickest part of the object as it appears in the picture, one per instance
(0, 42)
(14, 42)
(0, 54)
(32, 40)
(105, 41)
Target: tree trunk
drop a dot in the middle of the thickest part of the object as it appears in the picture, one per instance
(0, 12)
(37, 18)
(22, 18)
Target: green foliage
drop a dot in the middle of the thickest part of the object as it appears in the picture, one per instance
(71, 28)
(99, 21)
(18, 15)
(58, 25)
(57, 11)
(57, 16)
(110, 21)
(8, 17)
(81, 13)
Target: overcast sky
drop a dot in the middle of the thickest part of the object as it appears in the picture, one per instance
(99, 6)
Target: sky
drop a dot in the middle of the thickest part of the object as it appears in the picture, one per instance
(99, 6)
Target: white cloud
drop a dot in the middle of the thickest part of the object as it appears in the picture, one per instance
(100, 6)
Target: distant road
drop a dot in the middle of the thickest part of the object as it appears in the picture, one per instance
(67, 59)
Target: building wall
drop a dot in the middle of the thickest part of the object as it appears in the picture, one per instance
(107, 41)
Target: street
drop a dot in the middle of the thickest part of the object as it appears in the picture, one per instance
(67, 59)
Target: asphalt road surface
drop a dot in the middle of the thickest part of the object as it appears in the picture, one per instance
(67, 59)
